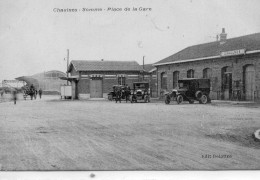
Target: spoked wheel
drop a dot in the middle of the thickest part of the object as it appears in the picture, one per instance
(203, 99)
(167, 100)
(179, 99)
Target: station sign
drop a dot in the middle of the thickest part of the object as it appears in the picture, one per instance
(233, 53)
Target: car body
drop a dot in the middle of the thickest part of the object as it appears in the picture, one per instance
(190, 90)
(140, 92)
(121, 88)
(112, 94)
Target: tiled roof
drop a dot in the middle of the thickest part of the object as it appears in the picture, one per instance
(148, 67)
(81, 65)
(249, 42)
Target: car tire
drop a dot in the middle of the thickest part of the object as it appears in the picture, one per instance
(167, 99)
(203, 99)
(198, 94)
(179, 99)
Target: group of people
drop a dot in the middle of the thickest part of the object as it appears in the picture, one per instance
(123, 92)
(31, 91)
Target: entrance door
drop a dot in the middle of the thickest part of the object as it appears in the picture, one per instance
(250, 82)
(96, 88)
(226, 74)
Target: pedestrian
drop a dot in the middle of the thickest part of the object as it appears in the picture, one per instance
(32, 91)
(14, 96)
(40, 93)
(35, 93)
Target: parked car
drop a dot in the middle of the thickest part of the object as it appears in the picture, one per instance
(122, 88)
(190, 90)
(140, 92)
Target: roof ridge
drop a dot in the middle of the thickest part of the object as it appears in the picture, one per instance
(212, 42)
(104, 60)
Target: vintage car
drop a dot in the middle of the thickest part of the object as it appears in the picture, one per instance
(112, 94)
(140, 92)
(122, 88)
(190, 90)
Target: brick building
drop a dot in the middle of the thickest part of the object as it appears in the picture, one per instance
(233, 65)
(94, 79)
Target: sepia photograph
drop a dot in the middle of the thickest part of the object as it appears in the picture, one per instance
(112, 85)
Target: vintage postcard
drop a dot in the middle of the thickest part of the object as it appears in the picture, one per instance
(129, 85)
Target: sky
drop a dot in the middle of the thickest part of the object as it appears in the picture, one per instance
(34, 38)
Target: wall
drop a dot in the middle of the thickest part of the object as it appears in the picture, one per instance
(236, 62)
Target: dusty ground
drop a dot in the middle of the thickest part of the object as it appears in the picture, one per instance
(50, 134)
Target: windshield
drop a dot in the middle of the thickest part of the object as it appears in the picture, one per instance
(140, 86)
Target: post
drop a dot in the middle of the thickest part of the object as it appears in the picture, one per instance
(67, 66)
(143, 68)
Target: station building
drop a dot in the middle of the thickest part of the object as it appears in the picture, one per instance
(94, 79)
(232, 65)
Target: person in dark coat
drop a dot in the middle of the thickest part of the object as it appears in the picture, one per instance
(14, 96)
(32, 91)
(40, 93)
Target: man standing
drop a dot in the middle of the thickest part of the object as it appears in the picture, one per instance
(40, 93)
(14, 96)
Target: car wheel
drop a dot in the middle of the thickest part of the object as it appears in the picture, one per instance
(167, 100)
(203, 99)
(179, 99)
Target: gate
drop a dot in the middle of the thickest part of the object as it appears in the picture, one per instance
(96, 88)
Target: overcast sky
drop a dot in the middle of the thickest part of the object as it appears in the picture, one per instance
(34, 38)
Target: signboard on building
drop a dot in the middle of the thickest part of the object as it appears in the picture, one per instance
(234, 52)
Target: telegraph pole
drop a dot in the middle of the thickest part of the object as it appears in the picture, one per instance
(143, 68)
(68, 53)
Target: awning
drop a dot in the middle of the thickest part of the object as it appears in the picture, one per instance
(71, 78)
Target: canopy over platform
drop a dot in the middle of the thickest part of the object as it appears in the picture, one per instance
(29, 81)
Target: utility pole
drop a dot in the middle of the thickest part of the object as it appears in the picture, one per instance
(68, 53)
(143, 68)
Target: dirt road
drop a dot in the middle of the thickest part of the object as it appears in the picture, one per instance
(50, 134)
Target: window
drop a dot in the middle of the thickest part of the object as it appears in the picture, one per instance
(207, 73)
(121, 80)
(190, 73)
(163, 80)
(175, 78)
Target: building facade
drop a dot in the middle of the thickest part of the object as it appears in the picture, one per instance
(95, 79)
(232, 65)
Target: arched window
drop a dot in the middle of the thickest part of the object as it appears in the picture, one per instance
(190, 73)
(175, 78)
(163, 80)
(207, 73)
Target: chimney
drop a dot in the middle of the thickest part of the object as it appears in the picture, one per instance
(223, 36)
